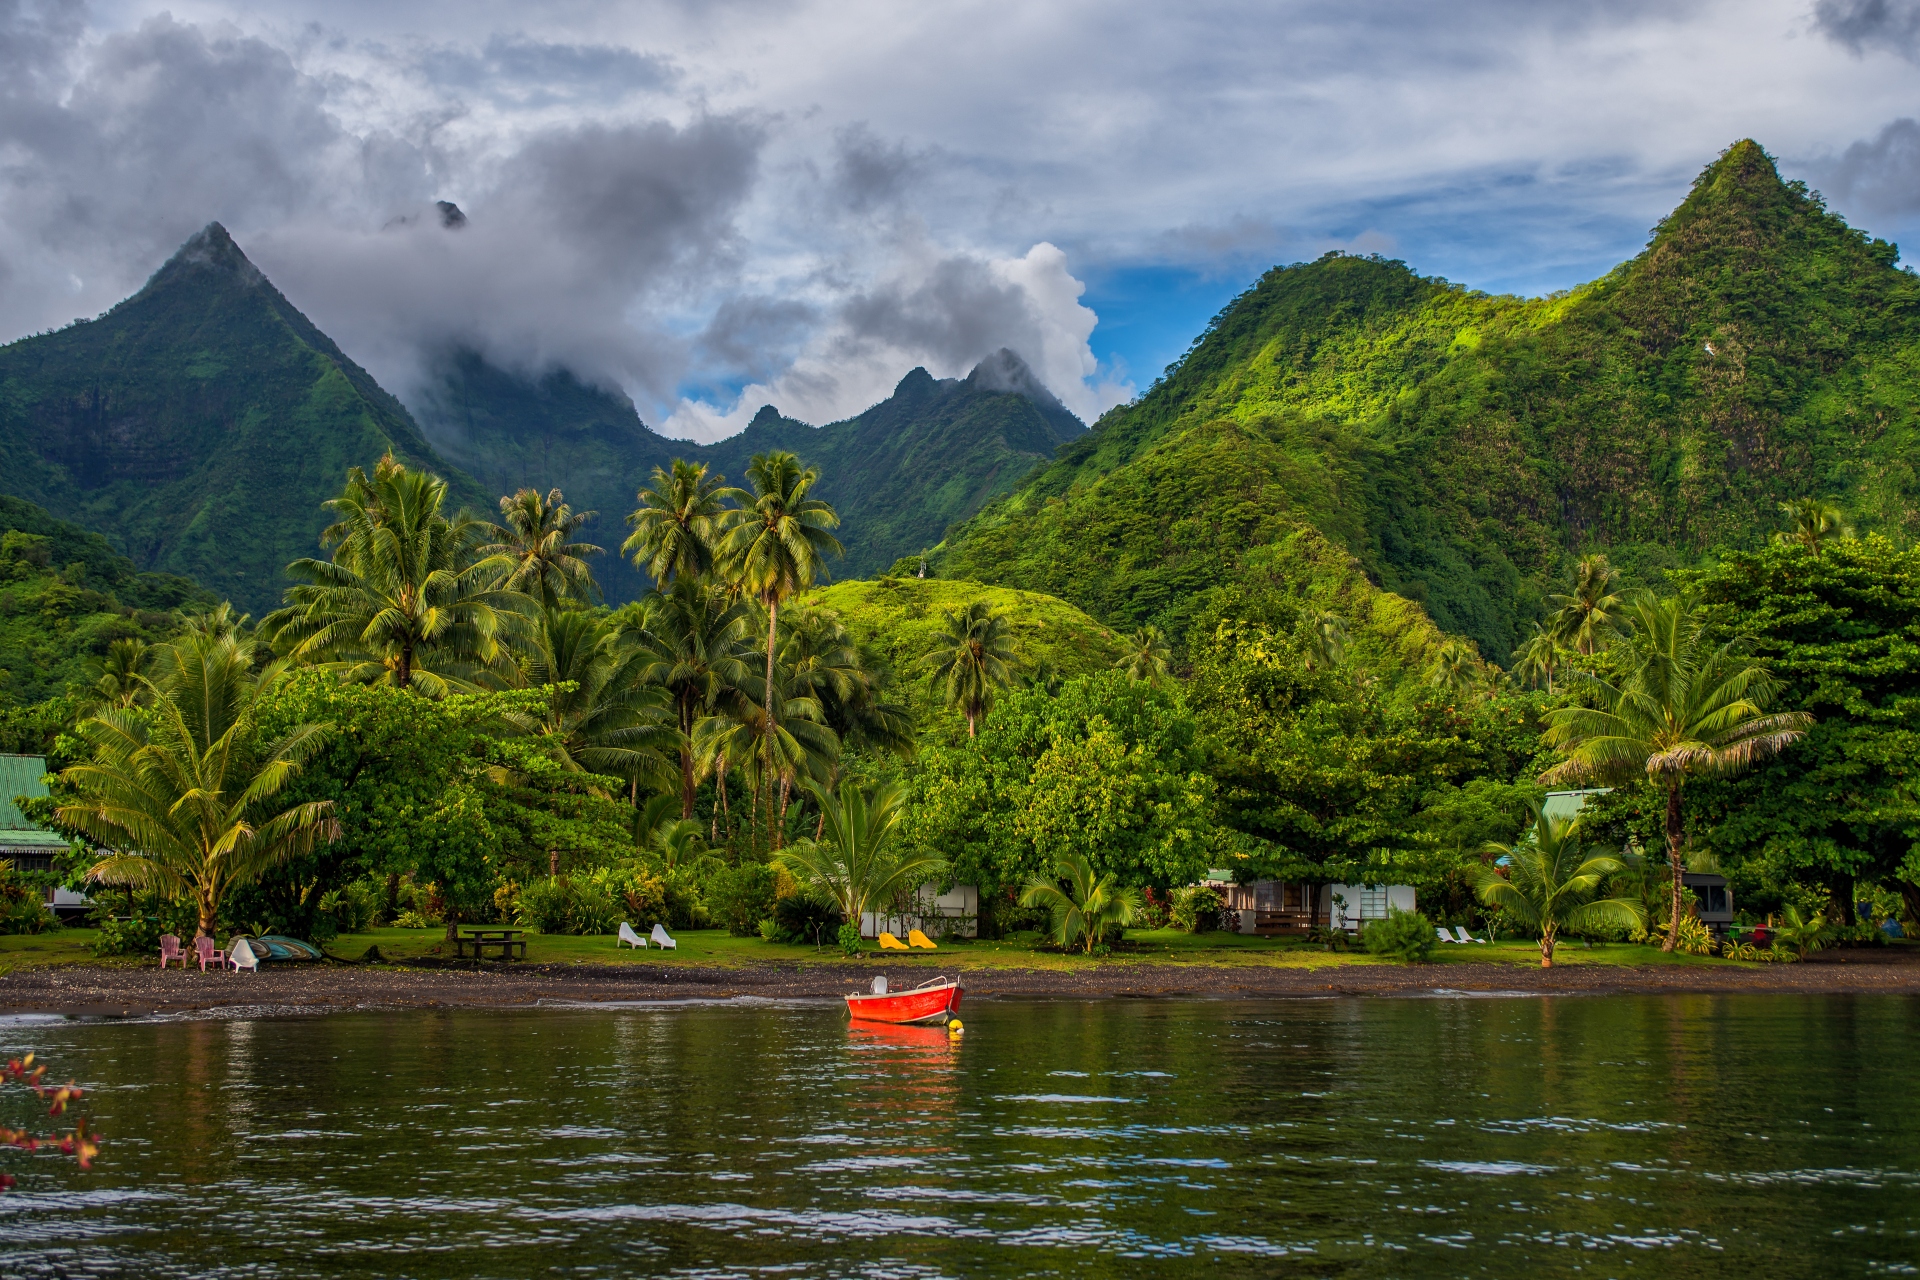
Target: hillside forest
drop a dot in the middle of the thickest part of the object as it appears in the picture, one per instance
(1337, 601)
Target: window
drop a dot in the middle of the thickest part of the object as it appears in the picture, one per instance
(1373, 902)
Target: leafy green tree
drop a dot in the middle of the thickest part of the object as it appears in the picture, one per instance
(972, 659)
(777, 546)
(1811, 524)
(538, 536)
(601, 715)
(679, 522)
(859, 864)
(1326, 639)
(1589, 618)
(188, 790)
(1088, 908)
(1546, 883)
(698, 644)
(403, 601)
(1687, 708)
(1147, 654)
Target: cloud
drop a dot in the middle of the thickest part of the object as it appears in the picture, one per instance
(1878, 177)
(1861, 25)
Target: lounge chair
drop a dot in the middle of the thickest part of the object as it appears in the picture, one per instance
(890, 943)
(203, 948)
(1461, 935)
(1442, 934)
(170, 950)
(915, 938)
(661, 940)
(241, 956)
(628, 936)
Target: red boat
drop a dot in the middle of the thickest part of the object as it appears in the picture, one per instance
(933, 1001)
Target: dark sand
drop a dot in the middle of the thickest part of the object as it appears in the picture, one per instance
(102, 991)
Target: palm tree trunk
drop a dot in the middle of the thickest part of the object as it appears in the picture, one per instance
(404, 676)
(1674, 836)
(207, 913)
(1546, 949)
(720, 784)
(773, 627)
(686, 780)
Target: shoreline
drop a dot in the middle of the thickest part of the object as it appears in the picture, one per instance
(119, 991)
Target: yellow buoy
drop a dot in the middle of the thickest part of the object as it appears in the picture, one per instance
(955, 1025)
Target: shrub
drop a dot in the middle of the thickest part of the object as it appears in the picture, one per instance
(1154, 907)
(21, 910)
(412, 919)
(850, 939)
(1194, 909)
(561, 904)
(353, 908)
(804, 919)
(1404, 935)
(1695, 938)
(741, 897)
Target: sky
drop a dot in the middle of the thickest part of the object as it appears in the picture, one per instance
(716, 204)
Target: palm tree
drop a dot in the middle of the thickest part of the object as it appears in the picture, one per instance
(857, 864)
(1455, 669)
(537, 535)
(776, 735)
(1146, 654)
(1326, 640)
(601, 714)
(1538, 658)
(827, 664)
(1087, 908)
(403, 601)
(119, 678)
(972, 658)
(1589, 618)
(778, 546)
(1549, 886)
(1812, 524)
(216, 622)
(697, 642)
(1686, 709)
(678, 522)
(187, 790)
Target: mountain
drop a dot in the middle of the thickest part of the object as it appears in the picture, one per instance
(199, 424)
(1464, 448)
(931, 454)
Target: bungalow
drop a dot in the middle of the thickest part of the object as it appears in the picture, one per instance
(931, 911)
(22, 843)
(1271, 907)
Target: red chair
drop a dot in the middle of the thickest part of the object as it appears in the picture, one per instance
(170, 950)
(203, 946)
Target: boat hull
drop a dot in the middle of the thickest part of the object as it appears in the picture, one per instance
(928, 1004)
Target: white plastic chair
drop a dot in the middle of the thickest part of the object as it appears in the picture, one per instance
(241, 956)
(1462, 936)
(1442, 934)
(628, 936)
(661, 940)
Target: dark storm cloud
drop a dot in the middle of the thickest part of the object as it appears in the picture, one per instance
(1862, 25)
(868, 171)
(957, 311)
(1874, 177)
(754, 336)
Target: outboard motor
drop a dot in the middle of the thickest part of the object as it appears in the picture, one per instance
(880, 985)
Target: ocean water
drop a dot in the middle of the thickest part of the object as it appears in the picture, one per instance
(1703, 1136)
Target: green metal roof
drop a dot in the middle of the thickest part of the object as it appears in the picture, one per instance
(20, 776)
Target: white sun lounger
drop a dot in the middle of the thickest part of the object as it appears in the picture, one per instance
(1461, 935)
(629, 937)
(1442, 934)
(661, 940)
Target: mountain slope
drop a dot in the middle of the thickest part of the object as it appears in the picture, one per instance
(199, 424)
(1463, 447)
(900, 474)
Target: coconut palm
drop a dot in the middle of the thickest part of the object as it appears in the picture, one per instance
(858, 864)
(698, 644)
(827, 664)
(1589, 618)
(216, 622)
(1812, 524)
(1455, 669)
(678, 523)
(537, 535)
(972, 658)
(404, 601)
(1685, 709)
(187, 790)
(775, 736)
(119, 676)
(602, 716)
(1546, 883)
(1145, 655)
(777, 547)
(1326, 640)
(1537, 659)
(1087, 908)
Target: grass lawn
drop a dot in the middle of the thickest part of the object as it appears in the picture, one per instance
(715, 948)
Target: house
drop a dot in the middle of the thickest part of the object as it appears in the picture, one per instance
(1272, 907)
(26, 846)
(931, 911)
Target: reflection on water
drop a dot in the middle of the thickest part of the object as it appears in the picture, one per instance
(1694, 1136)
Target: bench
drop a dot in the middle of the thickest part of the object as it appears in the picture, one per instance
(510, 943)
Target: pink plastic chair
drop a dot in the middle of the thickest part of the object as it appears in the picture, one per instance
(170, 950)
(204, 948)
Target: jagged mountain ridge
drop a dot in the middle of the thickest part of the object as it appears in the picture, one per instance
(931, 454)
(1463, 448)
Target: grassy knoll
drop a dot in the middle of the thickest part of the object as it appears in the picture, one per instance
(714, 948)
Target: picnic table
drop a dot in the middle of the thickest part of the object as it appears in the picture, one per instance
(509, 942)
